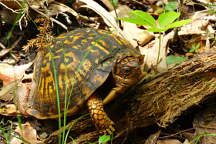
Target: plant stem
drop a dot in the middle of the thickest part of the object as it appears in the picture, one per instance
(159, 49)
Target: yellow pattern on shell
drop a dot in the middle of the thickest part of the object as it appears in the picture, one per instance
(74, 38)
(78, 76)
(59, 50)
(60, 81)
(87, 65)
(67, 42)
(100, 47)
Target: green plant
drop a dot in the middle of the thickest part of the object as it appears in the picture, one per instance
(171, 59)
(114, 3)
(22, 11)
(194, 48)
(211, 7)
(104, 139)
(164, 22)
(171, 6)
(7, 130)
(198, 138)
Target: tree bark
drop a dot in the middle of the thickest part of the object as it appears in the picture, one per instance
(164, 98)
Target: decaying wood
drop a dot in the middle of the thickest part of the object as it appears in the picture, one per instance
(167, 96)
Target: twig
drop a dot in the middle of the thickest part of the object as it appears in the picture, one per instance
(52, 19)
(8, 7)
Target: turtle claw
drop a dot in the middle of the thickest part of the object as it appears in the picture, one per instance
(108, 131)
(107, 127)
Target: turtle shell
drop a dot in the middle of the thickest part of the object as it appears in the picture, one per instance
(71, 69)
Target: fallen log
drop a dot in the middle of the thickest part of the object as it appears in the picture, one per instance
(165, 97)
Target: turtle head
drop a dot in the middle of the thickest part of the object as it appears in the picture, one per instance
(127, 70)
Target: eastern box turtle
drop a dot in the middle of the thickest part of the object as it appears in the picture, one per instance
(74, 68)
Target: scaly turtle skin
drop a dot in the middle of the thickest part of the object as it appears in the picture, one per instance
(74, 68)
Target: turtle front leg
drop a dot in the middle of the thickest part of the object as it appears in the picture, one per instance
(113, 94)
(99, 116)
(121, 85)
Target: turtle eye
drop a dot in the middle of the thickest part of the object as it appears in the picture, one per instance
(126, 71)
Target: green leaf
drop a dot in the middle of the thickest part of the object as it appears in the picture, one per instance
(114, 3)
(140, 17)
(134, 20)
(195, 48)
(167, 18)
(156, 29)
(211, 11)
(145, 17)
(103, 139)
(171, 6)
(179, 23)
(175, 59)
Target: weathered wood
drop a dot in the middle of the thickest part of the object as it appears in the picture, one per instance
(166, 96)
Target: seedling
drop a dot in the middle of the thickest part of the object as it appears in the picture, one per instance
(195, 48)
(104, 139)
(164, 22)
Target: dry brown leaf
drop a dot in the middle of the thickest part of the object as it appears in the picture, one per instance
(8, 109)
(39, 3)
(200, 31)
(8, 92)
(12, 77)
(107, 17)
(7, 16)
(195, 27)
(18, 92)
(153, 52)
(186, 142)
(169, 141)
(198, 25)
(56, 8)
(17, 4)
(46, 8)
(4, 51)
(152, 139)
(136, 35)
(12, 4)
(20, 6)
(15, 141)
(28, 133)
(9, 73)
